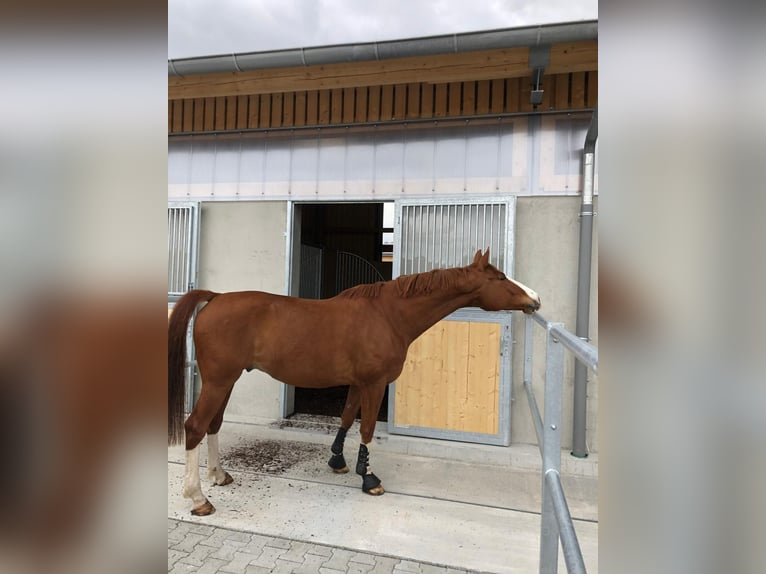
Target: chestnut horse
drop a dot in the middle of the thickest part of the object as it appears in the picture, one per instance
(358, 338)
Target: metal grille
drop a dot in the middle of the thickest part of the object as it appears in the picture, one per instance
(448, 235)
(352, 270)
(311, 272)
(182, 249)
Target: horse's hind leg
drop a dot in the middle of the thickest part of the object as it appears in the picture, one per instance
(337, 462)
(211, 401)
(371, 398)
(215, 472)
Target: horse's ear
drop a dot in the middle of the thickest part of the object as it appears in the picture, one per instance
(476, 258)
(484, 259)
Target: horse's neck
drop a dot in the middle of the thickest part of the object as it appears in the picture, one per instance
(416, 314)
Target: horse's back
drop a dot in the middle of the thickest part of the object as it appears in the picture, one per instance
(302, 342)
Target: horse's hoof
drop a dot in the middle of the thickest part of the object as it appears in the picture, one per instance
(226, 480)
(343, 470)
(376, 491)
(371, 485)
(204, 510)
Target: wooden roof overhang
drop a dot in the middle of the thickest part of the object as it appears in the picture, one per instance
(473, 84)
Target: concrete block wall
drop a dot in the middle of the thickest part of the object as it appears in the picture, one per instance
(243, 247)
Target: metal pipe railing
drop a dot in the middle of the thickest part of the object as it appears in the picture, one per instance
(555, 519)
(572, 553)
(583, 350)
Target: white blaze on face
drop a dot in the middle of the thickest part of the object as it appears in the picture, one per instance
(532, 294)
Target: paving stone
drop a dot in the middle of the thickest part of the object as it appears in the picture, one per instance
(179, 532)
(252, 569)
(221, 534)
(297, 552)
(256, 544)
(278, 543)
(331, 571)
(284, 566)
(205, 529)
(239, 563)
(181, 568)
(198, 555)
(339, 559)
(384, 565)
(431, 569)
(363, 558)
(189, 542)
(211, 566)
(311, 565)
(228, 549)
(359, 568)
(319, 550)
(268, 557)
(174, 556)
(407, 566)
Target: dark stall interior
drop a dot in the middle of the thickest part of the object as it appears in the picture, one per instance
(342, 245)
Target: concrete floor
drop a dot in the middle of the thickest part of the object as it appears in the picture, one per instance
(465, 506)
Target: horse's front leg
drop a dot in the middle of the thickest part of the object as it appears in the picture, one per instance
(371, 398)
(337, 462)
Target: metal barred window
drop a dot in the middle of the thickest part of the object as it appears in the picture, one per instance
(436, 235)
(183, 242)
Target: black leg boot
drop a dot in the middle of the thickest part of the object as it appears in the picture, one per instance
(337, 462)
(370, 482)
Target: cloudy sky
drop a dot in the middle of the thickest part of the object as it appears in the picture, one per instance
(205, 27)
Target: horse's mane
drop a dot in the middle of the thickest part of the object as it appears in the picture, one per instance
(407, 286)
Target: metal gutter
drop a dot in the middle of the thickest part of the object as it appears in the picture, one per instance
(376, 51)
(582, 326)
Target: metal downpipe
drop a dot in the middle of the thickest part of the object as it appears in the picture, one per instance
(582, 328)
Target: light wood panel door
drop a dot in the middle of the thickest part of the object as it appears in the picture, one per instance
(456, 381)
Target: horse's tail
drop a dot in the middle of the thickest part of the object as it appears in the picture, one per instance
(177, 325)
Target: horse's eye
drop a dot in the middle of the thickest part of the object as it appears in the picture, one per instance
(501, 277)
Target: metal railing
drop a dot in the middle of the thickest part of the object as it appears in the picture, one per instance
(555, 519)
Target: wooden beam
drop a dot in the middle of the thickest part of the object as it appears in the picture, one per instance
(199, 115)
(360, 105)
(373, 107)
(253, 108)
(592, 91)
(220, 114)
(276, 110)
(578, 90)
(386, 103)
(562, 92)
(426, 100)
(288, 109)
(300, 108)
(400, 102)
(573, 57)
(323, 109)
(264, 116)
(231, 112)
(455, 98)
(242, 112)
(209, 122)
(312, 108)
(498, 96)
(479, 65)
(482, 97)
(336, 106)
(348, 105)
(440, 108)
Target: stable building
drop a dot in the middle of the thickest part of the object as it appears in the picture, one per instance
(304, 172)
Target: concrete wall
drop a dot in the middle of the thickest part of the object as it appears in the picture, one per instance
(547, 246)
(242, 248)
